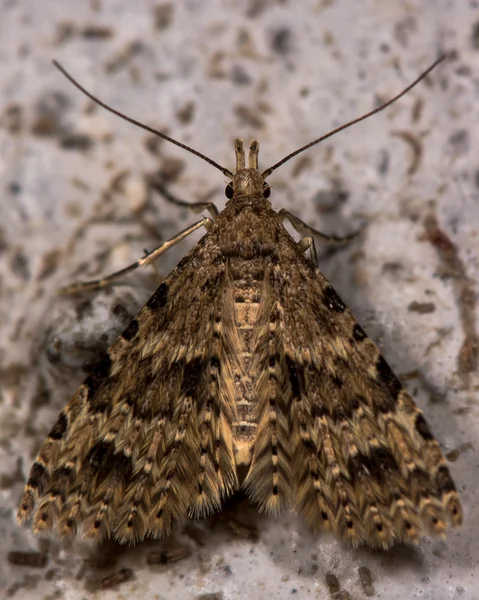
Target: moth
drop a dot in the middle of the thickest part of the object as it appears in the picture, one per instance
(244, 371)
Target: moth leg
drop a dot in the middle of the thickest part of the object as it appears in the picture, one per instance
(308, 242)
(304, 229)
(146, 260)
(196, 207)
(154, 267)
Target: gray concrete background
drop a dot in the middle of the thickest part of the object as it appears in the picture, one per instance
(74, 205)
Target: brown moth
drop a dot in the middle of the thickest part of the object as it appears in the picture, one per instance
(244, 370)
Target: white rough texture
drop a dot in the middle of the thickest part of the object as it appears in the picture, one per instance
(300, 68)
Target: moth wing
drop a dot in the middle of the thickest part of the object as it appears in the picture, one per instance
(146, 439)
(364, 461)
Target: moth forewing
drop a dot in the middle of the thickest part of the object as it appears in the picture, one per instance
(244, 370)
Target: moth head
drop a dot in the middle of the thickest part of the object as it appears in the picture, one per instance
(247, 181)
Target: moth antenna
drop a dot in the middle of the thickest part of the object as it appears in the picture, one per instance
(268, 172)
(225, 171)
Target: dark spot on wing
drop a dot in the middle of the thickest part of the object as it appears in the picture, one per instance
(57, 492)
(376, 465)
(388, 378)
(100, 373)
(358, 333)
(216, 363)
(332, 300)
(99, 453)
(36, 476)
(384, 404)
(318, 411)
(191, 378)
(293, 378)
(443, 481)
(64, 473)
(337, 381)
(121, 463)
(381, 462)
(159, 298)
(421, 480)
(58, 430)
(358, 466)
(423, 428)
(338, 414)
(354, 404)
(131, 331)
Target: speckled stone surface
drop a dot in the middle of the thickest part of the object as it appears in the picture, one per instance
(74, 205)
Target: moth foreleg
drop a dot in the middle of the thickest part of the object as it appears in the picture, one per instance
(195, 207)
(149, 258)
(154, 267)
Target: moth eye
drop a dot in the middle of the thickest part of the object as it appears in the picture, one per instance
(266, 191)
(229, 191)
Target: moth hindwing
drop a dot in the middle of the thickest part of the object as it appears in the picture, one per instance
(244, 370)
